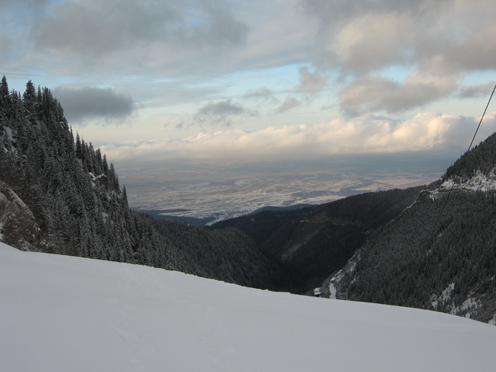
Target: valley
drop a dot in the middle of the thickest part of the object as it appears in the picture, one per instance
(403, 245)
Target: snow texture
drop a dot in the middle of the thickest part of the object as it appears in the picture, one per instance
(445, 296)
(61, 313)
(480, 182)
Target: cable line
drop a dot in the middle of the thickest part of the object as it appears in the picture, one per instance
(469, 147)
(482, 118)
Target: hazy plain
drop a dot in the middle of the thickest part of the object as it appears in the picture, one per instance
(220, 190)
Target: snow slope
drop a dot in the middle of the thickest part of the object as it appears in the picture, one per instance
(60, 313)
(480, 182)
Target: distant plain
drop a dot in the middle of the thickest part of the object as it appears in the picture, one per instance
(221, 190)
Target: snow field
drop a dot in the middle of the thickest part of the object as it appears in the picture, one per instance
(60, 313)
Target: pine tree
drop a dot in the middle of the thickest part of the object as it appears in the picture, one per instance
(5, 106)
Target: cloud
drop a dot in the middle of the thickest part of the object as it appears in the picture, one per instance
(95, 28)
(264, 93)
(175, 54)
(372, 93)
(218, 112)
(32, 3)
(6, 46)
(364, 36)
(311, 82)
(368, 43)
(153, 39)
(443, 40)
(476, 51)
(483, 90)
(360, 135)
(86, 103)
(288, 104)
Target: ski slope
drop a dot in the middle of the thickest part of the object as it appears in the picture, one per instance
(60, 313)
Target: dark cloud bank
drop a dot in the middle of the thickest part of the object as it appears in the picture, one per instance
(87, 103)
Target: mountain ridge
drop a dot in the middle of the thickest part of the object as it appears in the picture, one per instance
(440, 253)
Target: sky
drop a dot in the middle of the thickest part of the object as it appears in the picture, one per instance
(62, 313)
(245, 81)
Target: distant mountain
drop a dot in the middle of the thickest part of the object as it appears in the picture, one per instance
(440, 254)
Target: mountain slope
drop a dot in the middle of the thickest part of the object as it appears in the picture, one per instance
(63, 313)
(440, 254)
(59, 195)
(315, 241)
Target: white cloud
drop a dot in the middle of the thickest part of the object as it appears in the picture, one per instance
(364, 134)
(372, 41)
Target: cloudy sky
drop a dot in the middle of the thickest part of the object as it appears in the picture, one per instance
(260, 79)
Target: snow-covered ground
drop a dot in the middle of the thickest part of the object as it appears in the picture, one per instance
(231, 198)
(480, 182)
(60, 313)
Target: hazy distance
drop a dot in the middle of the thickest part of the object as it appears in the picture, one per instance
(222, 190)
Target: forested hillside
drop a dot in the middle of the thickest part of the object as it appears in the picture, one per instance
(58, 194)
(481, 158)
(441, 253)
(66, 187)
(315, 241)
(228, 255)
